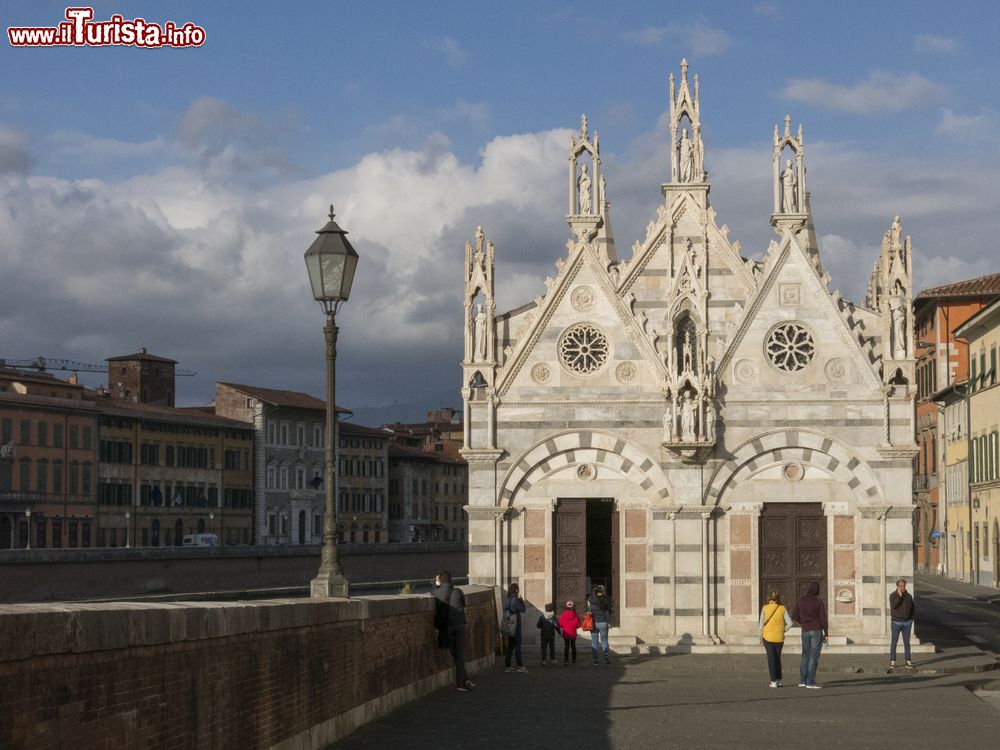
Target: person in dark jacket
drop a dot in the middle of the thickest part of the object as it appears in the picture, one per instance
(514, 605)
(599, 607)
(549, 626)
(450, 611)
(903, 609)
(810, 612)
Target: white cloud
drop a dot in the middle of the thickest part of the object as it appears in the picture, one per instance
(768, 10)
(94, 149)
(451, 50)
(697, 38)
(881, 92)
(931, 43)
(977, 126)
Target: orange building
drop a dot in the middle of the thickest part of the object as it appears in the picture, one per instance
(941, 362)
(48, 463)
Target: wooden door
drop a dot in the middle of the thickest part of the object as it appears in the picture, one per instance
(570, 551)
(792, 549)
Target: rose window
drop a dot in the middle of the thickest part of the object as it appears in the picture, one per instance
(790, 347)
(583, 349)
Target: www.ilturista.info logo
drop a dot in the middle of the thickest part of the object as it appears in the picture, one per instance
(80, 30)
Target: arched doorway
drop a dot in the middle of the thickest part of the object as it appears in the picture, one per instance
(156, 532)
(364, 533)
(6, 533)
(302, 527)
(178, 533)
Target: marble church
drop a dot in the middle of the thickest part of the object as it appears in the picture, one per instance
(686, 425)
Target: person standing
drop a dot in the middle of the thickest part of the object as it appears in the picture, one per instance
(569, 623)
(902, 609)
(599, 607)
(810, 613)
(548, 626)
(451, 613)
(515, 605)
(774, 621)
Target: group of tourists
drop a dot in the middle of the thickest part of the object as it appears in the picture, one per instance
(596, 620)
(809, 611)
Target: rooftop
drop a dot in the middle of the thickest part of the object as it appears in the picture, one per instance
(980, 286)
(275, 397)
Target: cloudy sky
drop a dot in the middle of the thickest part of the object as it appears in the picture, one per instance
(164, 197)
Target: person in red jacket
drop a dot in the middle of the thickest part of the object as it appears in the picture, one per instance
(569, 622)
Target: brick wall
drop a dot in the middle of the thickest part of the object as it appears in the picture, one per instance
(245, 674)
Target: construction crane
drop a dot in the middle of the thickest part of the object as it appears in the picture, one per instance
(41, 364)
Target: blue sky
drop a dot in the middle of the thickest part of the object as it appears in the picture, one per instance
(164, 197)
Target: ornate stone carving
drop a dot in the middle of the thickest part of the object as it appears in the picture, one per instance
(789, 347)
(745, 371)
(836, 370)
(584, 187)
(793, 471)
(541, 373)
(586, 472)
(583, 349)
(790, 295)
(626, 372)
(582, 298)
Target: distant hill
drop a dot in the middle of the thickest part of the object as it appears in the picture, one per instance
(407, 411)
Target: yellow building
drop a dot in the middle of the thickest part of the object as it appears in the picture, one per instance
(982, 332)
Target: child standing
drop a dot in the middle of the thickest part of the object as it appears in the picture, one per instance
(548, 625)
(569, 622)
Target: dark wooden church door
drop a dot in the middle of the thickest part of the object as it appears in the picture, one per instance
(570, 550)
(792, 550)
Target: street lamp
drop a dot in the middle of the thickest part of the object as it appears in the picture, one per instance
(127, 543)
(27, 513)
(211, 521)
(331, 262)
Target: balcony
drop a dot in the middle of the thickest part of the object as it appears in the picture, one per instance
(920, 482)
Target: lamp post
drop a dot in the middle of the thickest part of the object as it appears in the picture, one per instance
(28, 514)
(211, 522)
(127, 542)
(331, 262)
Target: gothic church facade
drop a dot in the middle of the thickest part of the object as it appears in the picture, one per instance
(688, 426)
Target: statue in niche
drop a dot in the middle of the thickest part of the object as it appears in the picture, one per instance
(710, 420)
(584, 187)
(686, 158)
(898, 316)
(668, 423)
(479, 335)
(688, 417)
(789, 202)
(687, 349)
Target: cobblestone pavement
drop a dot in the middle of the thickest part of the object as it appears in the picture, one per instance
(697, 701)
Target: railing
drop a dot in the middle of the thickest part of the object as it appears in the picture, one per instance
(920, 482)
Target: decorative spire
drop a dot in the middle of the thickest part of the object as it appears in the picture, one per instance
(331, 212)
(583, 126)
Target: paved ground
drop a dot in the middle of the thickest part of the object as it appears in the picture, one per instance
(704, 701)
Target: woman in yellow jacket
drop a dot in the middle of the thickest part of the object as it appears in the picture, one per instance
(774, 621)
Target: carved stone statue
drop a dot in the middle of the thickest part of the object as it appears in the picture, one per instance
(789, 201)
(894, 231)
(668, 423)
(686, 158)
(687, 348)
(898, 325)
(710, 420)
(8, 449)
(479, 240)
(584, 187)
(688, 426)
(479, 332)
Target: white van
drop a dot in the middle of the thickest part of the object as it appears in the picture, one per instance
(201, 540)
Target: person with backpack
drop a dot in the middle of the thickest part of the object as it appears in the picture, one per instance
(549, 626)
(515, 606)
(450, 612)
(774, 621)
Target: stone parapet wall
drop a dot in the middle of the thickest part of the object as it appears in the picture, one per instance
(60, 575)
(292, 673)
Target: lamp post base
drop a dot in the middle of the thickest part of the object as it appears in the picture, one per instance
(327, 585)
